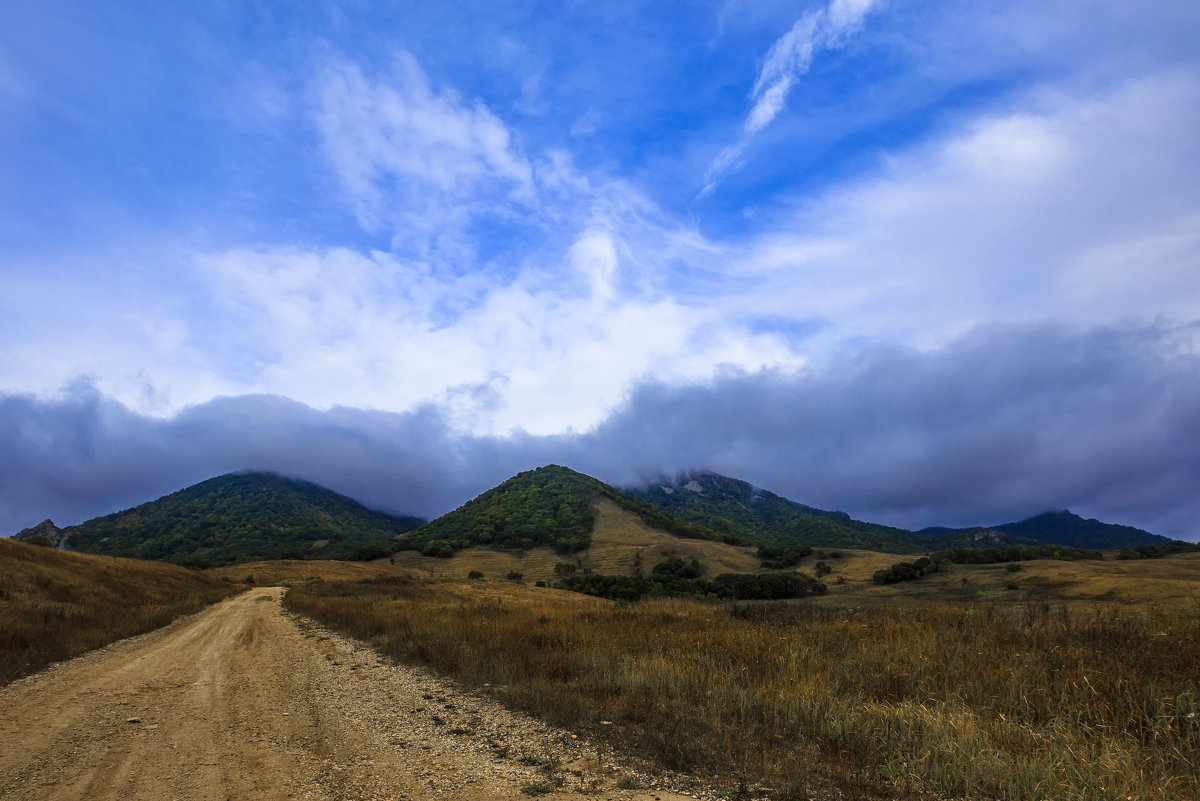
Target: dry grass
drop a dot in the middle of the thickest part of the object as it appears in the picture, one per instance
(288, 572)
(56, 605)
(1027, 700)
(1172, 582)
(622, 543)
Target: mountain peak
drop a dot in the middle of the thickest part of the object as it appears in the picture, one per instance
(549, 506)
(242, 516)
(1064, 527)
(45, 533)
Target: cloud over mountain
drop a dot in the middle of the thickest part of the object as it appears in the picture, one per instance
(1000, 424)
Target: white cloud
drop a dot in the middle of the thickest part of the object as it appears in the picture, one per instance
(1083, 209)
(538, 353)
(769, 105)
(791, 54)
(594, 255)
(1072, 208)
(399, 147)
(845, 17)
(788, 59)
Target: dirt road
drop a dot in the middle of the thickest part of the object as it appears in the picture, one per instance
(243, 701)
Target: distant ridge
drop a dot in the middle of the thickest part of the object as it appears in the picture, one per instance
(257, 515)
(739, 510)
(241, 517)
(1065, 528)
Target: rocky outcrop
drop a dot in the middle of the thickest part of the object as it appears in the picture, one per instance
(46, 533)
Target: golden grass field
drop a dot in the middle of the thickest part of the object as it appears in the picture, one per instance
(1071, 680)
(1026, 700)
(1064, 680)
(57, 604)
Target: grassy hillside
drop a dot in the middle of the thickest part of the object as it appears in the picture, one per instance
(621, 543)
(871, 691)
(241, 517)
(57, 605)
(740, 511)
(550, 507)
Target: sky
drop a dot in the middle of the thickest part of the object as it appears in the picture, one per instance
(929, 263)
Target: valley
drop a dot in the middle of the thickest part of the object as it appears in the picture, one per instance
(459, 664)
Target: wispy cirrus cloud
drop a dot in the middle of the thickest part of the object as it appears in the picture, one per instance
(788, 59)
(410, 157)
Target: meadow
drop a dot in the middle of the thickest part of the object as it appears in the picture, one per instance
(55, 605)
(869, 695)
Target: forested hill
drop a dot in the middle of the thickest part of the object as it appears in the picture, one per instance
(739, 510)
(548, 507)
(243, 517)
(1067, 528)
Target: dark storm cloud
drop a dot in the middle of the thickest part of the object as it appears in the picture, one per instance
(1001, 424)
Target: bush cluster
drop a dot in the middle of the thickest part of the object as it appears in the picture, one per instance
(906, 571)
(1159, 550)
(779, 557)
(728, 586)
(1013, 553)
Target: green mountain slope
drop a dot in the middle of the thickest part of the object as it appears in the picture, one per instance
(242, 517)
(936, 538)
(547, 507)
(739, 510)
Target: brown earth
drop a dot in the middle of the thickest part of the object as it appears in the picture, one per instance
(245, 701)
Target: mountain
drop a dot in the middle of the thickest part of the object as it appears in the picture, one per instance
(1065, 528)
(1048, 528)
(551, 507)
(936, 538)
(739, 510)
(242, 517)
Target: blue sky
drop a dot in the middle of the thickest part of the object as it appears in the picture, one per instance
(933, 263)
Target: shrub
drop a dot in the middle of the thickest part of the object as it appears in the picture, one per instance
(439, 548)
(677, 568)
(367, 553)
(905, 571)
(514, 575)
(779, 557)
(475, 575)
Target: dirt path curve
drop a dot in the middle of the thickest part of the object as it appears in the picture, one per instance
(243, 701)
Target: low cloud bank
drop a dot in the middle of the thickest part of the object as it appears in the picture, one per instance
(1001, 424)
